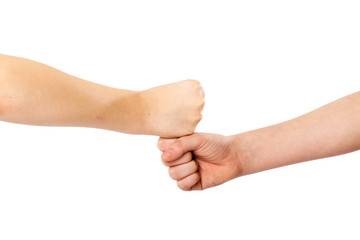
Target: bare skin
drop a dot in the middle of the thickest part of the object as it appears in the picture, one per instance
(36, 94)
(202, 160)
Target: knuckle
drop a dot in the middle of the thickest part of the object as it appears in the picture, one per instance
(194, 124)
(177, 146)
(193, 82)
(160, 145)
(199, 118)
(165, 163)
(173, 174)
(202, 92)
(202, 103)
(183, 186)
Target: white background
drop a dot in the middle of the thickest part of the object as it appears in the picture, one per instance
(260, 63)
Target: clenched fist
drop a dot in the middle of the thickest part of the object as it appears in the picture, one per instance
(201, 160)
(172, 110)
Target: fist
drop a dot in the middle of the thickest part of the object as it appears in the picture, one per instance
(201, 160)
(173, 110)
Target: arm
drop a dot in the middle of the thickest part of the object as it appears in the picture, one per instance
(331, 130)
(36, 94)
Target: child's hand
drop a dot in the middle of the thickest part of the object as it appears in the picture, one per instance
(201, 160)
(172, 110)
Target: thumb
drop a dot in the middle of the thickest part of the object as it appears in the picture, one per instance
(182, 145)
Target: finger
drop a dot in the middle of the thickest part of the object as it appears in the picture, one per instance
(183, 145)
(198, 186)
(198, 86)
(186, 183)
(187, 157)
(164, 143)
(202, 92)
(182, 171)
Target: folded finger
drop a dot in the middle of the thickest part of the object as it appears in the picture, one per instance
(182, 171)
(187, 157)
(182, 145)
(187, 183)
(164, 143)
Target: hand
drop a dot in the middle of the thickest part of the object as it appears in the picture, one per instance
(201, 160)
(172, 110)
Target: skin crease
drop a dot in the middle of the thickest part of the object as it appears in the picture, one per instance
(36, 94)
(204, 160)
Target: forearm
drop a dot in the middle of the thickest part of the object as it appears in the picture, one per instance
(328, 131)
(36, 94)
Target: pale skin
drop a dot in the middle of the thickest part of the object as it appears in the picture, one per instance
(204, 160)
(36, 94)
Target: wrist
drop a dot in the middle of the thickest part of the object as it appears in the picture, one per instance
(244, 149)
(121, 111)
(264, 149)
